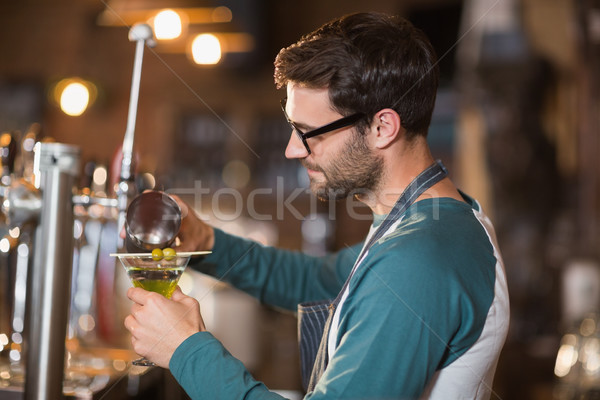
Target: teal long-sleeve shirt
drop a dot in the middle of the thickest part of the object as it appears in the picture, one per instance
(418, 302)
(277, 277)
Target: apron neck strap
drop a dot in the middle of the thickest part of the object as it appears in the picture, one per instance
(426, 179)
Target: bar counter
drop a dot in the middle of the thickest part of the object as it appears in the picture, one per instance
(107, 374)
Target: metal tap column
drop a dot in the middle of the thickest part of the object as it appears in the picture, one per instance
(141, 34)
(58, 166)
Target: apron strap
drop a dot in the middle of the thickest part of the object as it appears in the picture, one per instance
(426, 179)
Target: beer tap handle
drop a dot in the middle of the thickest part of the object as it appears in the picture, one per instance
(141, 34)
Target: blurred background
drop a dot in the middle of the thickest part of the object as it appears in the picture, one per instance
(516, 122)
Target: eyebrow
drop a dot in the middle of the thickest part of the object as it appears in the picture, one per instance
(304, 127)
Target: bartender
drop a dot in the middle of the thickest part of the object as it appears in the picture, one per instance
(420, 308)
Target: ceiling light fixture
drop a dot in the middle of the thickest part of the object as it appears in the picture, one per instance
(167, 25)
(206, 49)
(74, 95)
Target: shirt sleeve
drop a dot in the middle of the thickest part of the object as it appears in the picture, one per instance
(277, 277)
(206, 370)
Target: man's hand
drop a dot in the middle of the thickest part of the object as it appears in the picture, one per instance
(194, 234)
(159, 325)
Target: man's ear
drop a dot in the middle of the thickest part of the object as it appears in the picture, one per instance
(387, 127)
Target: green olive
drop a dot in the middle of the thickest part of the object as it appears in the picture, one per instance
(169, 254)
(157, 254)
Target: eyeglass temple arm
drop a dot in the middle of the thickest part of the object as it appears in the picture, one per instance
(334, 125)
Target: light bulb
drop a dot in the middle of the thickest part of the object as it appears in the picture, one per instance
(206, 49)
(167, 25)
(74, 99)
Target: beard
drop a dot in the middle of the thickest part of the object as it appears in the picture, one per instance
(354, 170)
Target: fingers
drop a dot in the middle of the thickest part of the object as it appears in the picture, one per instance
(182, 205)
(187, 301)
(134, 294)
(178, 295)
(194, 233)
(130, 324)
(136, 309)
(185, 245)
(139, 340)
(131, 321)
(139, 333)
(141, 296)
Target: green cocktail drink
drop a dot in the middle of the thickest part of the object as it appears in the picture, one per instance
(160, 280)
(160, 276)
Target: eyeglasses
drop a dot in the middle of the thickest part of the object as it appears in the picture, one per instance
(337, 124)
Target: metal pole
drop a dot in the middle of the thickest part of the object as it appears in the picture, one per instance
(58, 166)
(141, 34)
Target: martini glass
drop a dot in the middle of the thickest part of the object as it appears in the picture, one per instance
(160, 276)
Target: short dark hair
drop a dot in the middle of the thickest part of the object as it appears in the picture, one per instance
(368, 61)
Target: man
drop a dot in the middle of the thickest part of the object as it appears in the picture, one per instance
(422, 306)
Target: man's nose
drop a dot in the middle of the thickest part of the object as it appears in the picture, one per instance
(295, 148)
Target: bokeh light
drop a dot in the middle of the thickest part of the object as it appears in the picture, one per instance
(206, 49)
(74, 95)
(167, 25)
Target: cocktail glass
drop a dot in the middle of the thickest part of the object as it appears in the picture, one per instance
(160, 276)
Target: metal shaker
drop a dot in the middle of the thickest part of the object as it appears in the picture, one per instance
(152, 221)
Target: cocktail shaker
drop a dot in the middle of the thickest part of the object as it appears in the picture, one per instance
(152, 221)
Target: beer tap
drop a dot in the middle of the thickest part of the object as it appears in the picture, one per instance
(21, 205)
(141, 34)
(48, 205)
